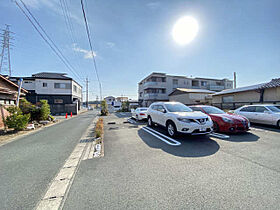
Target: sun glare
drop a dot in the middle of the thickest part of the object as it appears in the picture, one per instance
(185, 30)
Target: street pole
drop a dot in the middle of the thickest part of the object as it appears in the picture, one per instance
(87, 92)
(19, 88)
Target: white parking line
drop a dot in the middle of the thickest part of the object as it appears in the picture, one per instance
(154, 133)
(219, 135)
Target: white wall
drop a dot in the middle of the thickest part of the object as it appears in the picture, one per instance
(78, 93)
(50, 87)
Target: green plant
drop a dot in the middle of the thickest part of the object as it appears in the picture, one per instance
(99, 128)
(16, 120)
(28, 108)
(44, 110)
(125, 106)
(104, 108)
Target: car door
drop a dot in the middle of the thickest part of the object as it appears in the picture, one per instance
(161, 115)
(154, 113)
(248, 112)
(263, 115)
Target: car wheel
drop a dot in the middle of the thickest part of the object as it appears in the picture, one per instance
(136, 117)
(278, 124)
(216, 127)
(150, 122)
(171, 129)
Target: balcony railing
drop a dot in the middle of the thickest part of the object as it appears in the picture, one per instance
(154, 84)
(157, 96)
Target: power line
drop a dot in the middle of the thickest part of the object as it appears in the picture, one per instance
(54, 47)
(91, 48)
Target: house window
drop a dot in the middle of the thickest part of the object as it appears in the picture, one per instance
(227, 99)
(203, 83)
(75, 88)
(195, 83)
(62, 85)
(58, 101)
(175, 81)
(45, 84)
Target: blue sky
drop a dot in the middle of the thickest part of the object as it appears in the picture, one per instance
(132, 38)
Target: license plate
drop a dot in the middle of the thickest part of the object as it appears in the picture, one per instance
(202, 129)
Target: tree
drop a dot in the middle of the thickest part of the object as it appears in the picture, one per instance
(45, 110)
(16, 120)
(104, 108)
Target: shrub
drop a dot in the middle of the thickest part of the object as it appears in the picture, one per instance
(104, 108)
(28, 108)
(125, 106)
(17, 120)
(99, 128)
(44, 110)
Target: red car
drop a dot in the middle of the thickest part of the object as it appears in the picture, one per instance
(222, 121)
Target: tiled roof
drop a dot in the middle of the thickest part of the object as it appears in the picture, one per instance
(273, 83)
(241, 89)
(50, 75)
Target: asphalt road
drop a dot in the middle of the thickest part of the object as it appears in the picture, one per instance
(28, 165)
(139, 171)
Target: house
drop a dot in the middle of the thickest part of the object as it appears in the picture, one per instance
(122, 99)
(8, 96)
(109, 100)
(260, 93)
(157, 86)
(63, 94)
(190, 96)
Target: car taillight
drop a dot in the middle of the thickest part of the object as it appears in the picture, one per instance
(142, 114)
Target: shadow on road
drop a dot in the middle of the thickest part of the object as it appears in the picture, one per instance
(122, 114)
(242, 137)
(266, 127)
(191, 146)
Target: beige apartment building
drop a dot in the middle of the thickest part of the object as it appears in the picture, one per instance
(157, 86)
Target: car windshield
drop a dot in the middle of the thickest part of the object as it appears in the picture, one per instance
(178, 108)
(213, 110)
(274, 108)
(143, 109)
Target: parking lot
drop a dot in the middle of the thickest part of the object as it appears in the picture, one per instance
(144, 169)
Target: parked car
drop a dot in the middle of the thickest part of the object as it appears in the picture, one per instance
(224, 122)
(140, 113)
(178, 118)
(117, 108)
(264, 114)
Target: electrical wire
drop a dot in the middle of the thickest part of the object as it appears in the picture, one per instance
(91, 48)
(54, 47)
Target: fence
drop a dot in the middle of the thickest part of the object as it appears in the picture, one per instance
(57, 109)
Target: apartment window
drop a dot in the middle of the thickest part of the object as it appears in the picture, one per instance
(45, 84)
(203, 83)
(58, 101)
(219, 83)
(175, 81)
(75, 88)
(163, 90)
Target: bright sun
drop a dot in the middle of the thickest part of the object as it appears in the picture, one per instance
(185, 30)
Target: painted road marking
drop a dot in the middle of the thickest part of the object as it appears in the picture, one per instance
(219, 135)
(56, 194)
(158, 135)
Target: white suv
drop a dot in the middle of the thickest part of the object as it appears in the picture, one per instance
(177, 117)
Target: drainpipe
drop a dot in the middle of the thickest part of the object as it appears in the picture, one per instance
(19, 88)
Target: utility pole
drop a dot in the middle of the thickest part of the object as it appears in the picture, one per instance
(5, 52)
(87, 92)
(234, 80)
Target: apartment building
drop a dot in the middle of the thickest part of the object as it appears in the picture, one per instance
(157, 86)
(62, 93)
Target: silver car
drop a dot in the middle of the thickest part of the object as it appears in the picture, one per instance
(264, 114)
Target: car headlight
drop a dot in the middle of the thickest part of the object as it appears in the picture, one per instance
(227, 120)
(184, 120)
